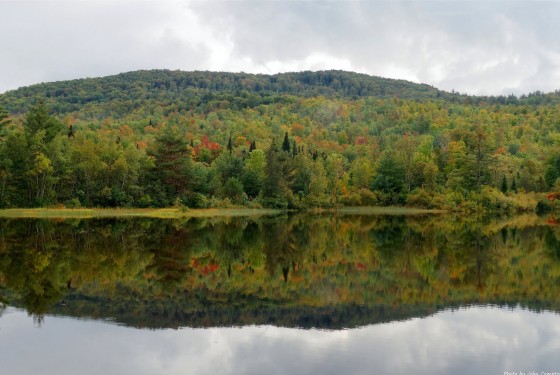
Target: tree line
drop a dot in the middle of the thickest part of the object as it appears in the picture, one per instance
(300, 153)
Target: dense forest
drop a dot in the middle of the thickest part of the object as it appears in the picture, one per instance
(294, 140)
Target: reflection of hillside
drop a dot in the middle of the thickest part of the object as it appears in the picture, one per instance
(321, 271)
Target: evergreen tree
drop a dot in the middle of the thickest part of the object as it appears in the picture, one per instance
(253, 173)
(294, 148)
(390, 179)
(230, 145)
(504, 186)
(38, 119)
(272, 173)
(286, 143)
(173, 164)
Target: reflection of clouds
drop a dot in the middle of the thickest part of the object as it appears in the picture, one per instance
(475, 340)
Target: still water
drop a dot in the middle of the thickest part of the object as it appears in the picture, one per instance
(303, 294)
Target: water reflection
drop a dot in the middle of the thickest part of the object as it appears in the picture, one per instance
(327, 271)
(479, 340)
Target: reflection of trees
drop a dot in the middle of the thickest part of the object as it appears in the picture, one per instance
(41, 260)
(552, 243)
(474, 251)
(279, 247)
(170, 248)
(32, 263)
(200, 266)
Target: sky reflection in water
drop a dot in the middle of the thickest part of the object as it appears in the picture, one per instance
(474, 340)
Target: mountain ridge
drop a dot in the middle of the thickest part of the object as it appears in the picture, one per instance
(195, 87)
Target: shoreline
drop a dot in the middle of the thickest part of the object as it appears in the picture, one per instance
(178, 213)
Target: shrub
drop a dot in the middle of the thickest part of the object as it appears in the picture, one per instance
(73, 203)
(145, 201)
(195, 200)
(420, 198)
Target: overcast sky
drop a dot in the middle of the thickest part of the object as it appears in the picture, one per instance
(476, 47)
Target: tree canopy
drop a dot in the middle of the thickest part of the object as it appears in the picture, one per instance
(202, 139)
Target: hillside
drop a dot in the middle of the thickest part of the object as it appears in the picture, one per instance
(122, 94)
(294, 140)
(197, 89)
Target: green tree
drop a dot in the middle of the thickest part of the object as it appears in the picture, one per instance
(286, 143)
(230, 145)
(38, 119)
(254, 173)
(4, 121)
(172, 164)
(233, 189)
(273, 184)
(504, 185)
(334, 166)
(389, 179)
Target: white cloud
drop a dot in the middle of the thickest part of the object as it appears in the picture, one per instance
(493, 47)
(476, 340)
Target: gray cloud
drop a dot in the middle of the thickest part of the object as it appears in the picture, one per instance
(476, 340)
(492, 47)
(45, 41)
(478, 47)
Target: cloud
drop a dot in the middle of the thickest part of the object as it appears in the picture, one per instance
(475, 47)
(46, 41)
(476, 340)
(493, 47)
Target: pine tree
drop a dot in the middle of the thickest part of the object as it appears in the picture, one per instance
(294, 149)
(504, 186)
(38, 119)
(173, 163)
(230, 145)
(390, 179)
(286, 143)
(513, 185)
(272, 173)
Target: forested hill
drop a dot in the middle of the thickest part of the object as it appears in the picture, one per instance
(294, 140)
(202, 90)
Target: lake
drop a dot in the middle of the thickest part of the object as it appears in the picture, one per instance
(284, 294)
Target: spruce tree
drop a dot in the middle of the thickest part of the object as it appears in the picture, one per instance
(38, 118)
(514, 185)
(272, 173)
(230, 145)
(504, 186)
(294, 149)
(286, 143)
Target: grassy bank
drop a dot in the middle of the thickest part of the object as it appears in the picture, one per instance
(393, 210)
(177, 213)
(160, 213)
